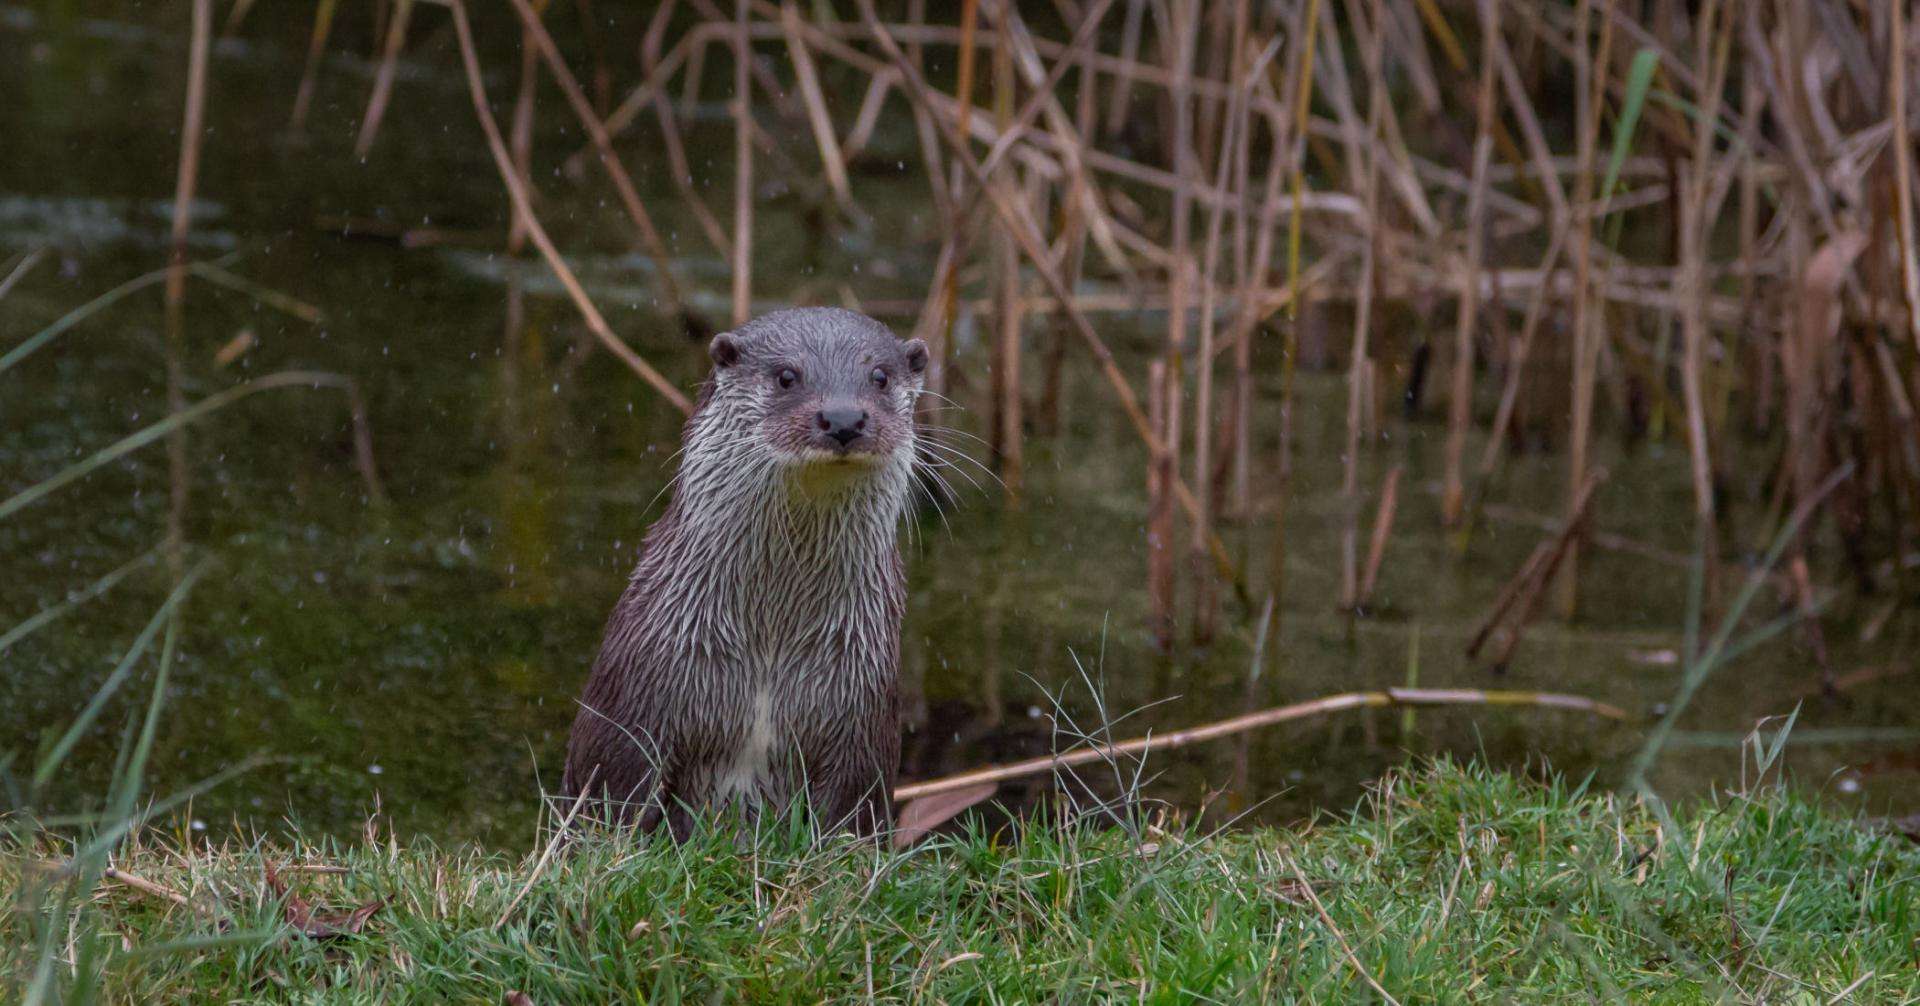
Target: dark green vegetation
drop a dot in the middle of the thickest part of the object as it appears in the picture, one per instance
(1448, 885)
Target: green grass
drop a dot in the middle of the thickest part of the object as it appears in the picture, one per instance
(1450, 884)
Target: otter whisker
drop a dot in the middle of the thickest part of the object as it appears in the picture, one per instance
(953, 454)
(930, 463)
(938, 397)
(930, 428)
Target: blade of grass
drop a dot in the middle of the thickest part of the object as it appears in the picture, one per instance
(41, 619)
(43, 772)
(127, 445)
(1699, 669)
(38, 340)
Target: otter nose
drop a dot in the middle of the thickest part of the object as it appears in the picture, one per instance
(844, 425)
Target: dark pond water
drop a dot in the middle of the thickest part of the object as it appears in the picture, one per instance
(420, 656)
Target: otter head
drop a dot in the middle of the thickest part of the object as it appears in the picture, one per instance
(826, 387)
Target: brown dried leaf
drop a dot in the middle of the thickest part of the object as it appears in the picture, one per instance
(929, 812)
(302, 917)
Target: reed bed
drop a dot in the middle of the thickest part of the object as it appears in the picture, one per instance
(1649, 219)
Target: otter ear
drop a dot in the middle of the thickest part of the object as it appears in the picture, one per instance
(916, 356)
(724, 350)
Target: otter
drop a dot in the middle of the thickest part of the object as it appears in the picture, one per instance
(753, 659)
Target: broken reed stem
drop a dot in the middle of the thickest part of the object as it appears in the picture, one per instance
(1382, 531)
(1251, 721)
(383, 78)
(309, 73)
(742, 165)
(523, 204)
(1536, 577)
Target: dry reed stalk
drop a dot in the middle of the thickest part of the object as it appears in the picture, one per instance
(1691, 284)
(1398, 164)
(1545, 173)
(742, 165)
(309, 74)
(520, 132)
(696, 72)
(655, 70)
(383, 78)
(523, 204)
(1536, 576)
(867, 119)
(1122, 93)
(1232, 143)
(1009, 455)
(597, 51)
(650, 238)
(659, 70)
(1522, 350)
(1358, 357)
(824, 137)
(1897, 55)
(1460, 405)
(1160, 468)
(1074, 229)
(1253, 283)
(961, 215)
(1175, 739)
(763, 75)
(1586, 337)
(1302, 99)
(1065, 136)
(192, 130)
(1382, 531)
(1026, 233)
(1230, 427)
(1811, 363)
(1183, 41)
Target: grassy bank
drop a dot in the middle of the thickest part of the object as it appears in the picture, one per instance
(1450, 884)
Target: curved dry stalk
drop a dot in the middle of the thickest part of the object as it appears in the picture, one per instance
(650, 239)
(523, 205)
(1263, 718)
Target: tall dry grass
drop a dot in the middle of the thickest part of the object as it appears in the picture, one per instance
(1706, 208)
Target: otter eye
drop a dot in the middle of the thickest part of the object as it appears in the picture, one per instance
(879, 377)
(788, 377)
